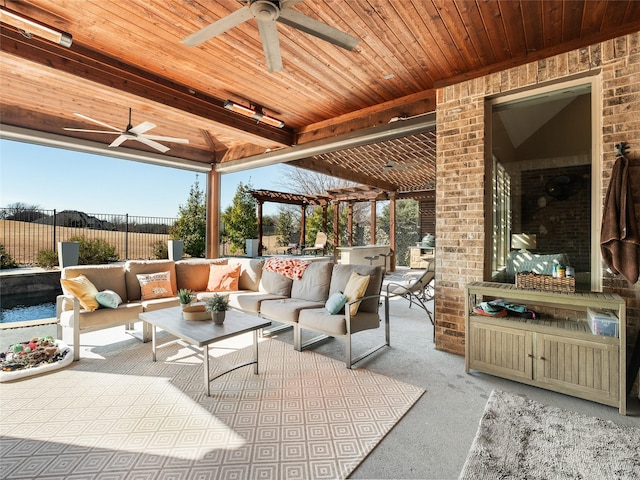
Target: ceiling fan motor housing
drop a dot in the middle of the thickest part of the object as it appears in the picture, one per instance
(265, 10)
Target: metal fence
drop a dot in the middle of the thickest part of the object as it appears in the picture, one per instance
(24, 232)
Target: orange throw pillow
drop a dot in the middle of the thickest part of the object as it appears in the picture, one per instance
(155, 285)
(223, 278)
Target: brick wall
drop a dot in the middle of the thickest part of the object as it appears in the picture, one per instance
(460, 220)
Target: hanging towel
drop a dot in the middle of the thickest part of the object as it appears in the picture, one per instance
(620, 235)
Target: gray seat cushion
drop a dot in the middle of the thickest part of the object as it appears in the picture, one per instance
(287, 309)
(314, 284)
(250, 301)
(320, 320)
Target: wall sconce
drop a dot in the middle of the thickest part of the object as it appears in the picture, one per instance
(29, 27)
(253, 111)
(523, 241)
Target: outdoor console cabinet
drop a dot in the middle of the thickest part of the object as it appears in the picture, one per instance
(558, 351)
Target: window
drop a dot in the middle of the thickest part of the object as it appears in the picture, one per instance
(542, 175)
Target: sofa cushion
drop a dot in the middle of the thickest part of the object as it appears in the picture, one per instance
(356, 287)
(314, 284)
(250, 301)
(103, 318)
(286, 309)
(250, 272)
(341, 275)
(81, 288)
(194, 274)
(319, 320)
(275, 284)
(108, 299)
(104, 277)
(223, 278)
(159, 303)
(132, 268)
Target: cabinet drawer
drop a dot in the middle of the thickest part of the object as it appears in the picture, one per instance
(589, 369)
(500, 351)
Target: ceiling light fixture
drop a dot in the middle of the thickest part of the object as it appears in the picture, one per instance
(253, 111)
(29, 27)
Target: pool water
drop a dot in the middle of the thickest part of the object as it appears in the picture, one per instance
(22, 313)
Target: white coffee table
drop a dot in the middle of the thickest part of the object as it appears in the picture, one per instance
(203, 333)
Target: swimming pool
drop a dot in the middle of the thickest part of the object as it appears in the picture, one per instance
(21, 313)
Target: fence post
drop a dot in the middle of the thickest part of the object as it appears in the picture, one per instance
(126, 237)
(54, 230)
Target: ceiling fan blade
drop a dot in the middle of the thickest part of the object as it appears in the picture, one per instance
(90, 131)
(119, 141)
(166, 139)
(316, 28)
(218, 27)
(89, 119)
(143, 127)
(270, 44)
(152, 143)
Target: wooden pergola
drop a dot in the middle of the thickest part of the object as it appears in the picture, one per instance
(351, 196)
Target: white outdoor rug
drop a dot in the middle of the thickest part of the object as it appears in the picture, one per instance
(118, 415)
(522, 439)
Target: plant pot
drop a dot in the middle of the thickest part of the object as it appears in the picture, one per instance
(185, 305)
(218, 317)
(68, 254)
(176, 249)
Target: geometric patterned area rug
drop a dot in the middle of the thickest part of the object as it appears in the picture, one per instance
(523, 439)
(118, 415)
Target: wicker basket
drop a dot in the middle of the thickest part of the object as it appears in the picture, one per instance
(535, 281)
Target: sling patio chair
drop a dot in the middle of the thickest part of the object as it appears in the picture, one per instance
(417, 289)
(319, 245)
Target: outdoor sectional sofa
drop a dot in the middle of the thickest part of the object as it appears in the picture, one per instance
(296, 302)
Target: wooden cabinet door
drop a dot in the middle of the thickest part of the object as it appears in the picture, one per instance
(501, 351)
(586, 369)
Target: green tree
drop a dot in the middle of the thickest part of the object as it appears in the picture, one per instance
(240, 219)
(407, 228)
(191, 226)
(285, 228)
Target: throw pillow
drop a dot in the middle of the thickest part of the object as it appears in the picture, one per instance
(155, 285)
(356, 286)
(109, 299)
(335, 303)
(223, 278)
(82, 288)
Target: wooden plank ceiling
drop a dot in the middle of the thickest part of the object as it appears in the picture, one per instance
(128, 54)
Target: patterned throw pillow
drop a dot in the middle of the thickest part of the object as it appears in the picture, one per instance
(223, 278)
(155, 285)
(81, 288)
(356, 286)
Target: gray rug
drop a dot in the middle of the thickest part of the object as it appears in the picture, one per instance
(117, 415)
(520, 438)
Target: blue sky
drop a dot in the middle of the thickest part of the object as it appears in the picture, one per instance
(60, 179)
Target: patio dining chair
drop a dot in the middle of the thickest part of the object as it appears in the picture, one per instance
(417, 289)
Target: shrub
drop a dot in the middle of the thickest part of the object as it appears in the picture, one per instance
(6, 260)
(47, 258)
(95, 252)
(160, 250)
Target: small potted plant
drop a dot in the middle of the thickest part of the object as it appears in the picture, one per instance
(185, 297)
(217, 305)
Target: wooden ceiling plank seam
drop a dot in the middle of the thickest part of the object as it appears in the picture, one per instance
(512, 20)
(594, 13)
(437, 28)
(470, 18)
(631, 12)
(451, 19)
(614, 16)
(552, 29)
(493, 22)
(573, 13)
(532, 25)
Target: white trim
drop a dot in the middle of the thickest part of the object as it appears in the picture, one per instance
(19, 134)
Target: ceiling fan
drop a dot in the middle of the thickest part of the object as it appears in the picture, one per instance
(267, 13)
(398, 167)
(130, 133)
